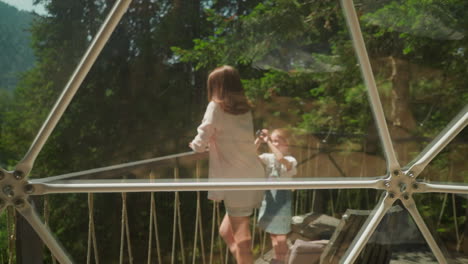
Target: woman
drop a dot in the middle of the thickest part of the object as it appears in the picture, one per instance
(227, 133)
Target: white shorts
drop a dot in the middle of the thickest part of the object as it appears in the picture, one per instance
(239, 211)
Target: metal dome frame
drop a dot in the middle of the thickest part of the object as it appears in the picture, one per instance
(398, 184)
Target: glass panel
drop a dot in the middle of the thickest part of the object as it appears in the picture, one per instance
(449, 166)
(397, 238)
(446, 217)
(17, 58)
(316, 215)
(417, 52)
(111, 245)
(39, 54)
(146, 95)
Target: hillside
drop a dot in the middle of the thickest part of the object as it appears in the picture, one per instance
(16, 54)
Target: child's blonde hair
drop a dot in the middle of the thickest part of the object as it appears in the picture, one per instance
(283, 133)
(225, 87)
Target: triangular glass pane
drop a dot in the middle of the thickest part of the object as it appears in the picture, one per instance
(450, 165)
(445, 215)
(136, 102)
(416, 56)
(40, 52)
(146, 95)
(16, 59)
(396, 239)
(317, 217)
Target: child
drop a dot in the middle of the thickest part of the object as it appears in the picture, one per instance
(275, 212)
(227, 131)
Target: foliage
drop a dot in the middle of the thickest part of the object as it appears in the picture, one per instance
(17, 55)
(146, 92)
(297, 49)
(428, 36)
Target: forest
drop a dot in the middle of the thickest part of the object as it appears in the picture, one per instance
(17, 54)
(146, 94)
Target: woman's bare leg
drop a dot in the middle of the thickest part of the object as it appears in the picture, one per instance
(225, 231)
(243, 240)
(280, 246)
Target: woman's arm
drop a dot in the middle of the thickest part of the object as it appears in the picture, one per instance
(206, 130)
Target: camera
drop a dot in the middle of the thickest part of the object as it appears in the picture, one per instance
(259, 133)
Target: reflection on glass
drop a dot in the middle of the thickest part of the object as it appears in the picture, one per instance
(449, 166)
(17, 57)
(146, 93)
(108, 216)
(417, 53)
(397, 238)
(43, 51)
(446, 214)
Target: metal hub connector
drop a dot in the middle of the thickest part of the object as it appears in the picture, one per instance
(400, 185)
(19, 203)
(14, 189)
(387, 184)
(8, 191)
(29, 189)
(19, 175)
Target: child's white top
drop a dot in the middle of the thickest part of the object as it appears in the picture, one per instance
(232, 153)
(270, 162)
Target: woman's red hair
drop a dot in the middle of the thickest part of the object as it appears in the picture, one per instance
(225, 88)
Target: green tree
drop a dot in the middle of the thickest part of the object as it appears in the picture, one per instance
(417, 50)
(132, 92)
(146, 92)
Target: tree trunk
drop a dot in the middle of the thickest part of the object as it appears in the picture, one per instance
(400, 117)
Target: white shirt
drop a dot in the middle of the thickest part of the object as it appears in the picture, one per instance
(232, 153)
(270, 162)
